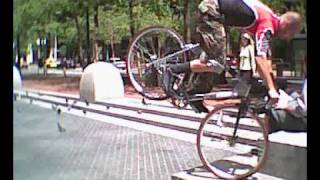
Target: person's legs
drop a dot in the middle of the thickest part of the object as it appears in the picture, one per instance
(199, 67)
(211, 36)
(181, 68)
(213, 43)
(246, 75)
(281, 120)
(169, 77)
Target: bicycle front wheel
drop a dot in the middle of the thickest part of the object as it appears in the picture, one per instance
(148, 46)
(243, 153)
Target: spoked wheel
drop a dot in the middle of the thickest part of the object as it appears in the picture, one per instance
(243, 154)
(144, 67)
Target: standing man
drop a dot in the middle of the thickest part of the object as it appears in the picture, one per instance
(251, 16)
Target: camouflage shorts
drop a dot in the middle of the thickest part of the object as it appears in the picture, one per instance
(210, 33)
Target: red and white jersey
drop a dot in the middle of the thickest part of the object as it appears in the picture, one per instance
(265, 25)
(254, 17)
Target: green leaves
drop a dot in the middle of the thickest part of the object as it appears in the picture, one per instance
(33, 18)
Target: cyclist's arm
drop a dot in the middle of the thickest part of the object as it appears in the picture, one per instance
(263, 58)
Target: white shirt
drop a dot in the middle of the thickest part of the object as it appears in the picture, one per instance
(247, 58)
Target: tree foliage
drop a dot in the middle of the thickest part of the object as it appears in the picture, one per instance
(66, 18)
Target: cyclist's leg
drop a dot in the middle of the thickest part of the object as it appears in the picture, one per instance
(212, 41)
(211, 35)
(170, 76)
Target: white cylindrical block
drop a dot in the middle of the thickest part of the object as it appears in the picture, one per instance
(17, 82)
(101, 81)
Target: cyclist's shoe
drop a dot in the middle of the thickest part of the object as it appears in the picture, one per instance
(168, 80)
(198, 106)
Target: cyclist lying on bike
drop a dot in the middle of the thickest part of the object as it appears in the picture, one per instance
(251, 16)
(291, 113)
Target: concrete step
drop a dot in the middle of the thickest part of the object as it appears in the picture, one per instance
(200, 173)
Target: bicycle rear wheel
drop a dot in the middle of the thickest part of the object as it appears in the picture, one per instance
(244, 154)
(149, 45)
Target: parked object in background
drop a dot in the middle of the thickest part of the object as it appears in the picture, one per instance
(233, 64)
(119, 63)
(59, 62)
(50, 63)
(70, 63)
(23, 61)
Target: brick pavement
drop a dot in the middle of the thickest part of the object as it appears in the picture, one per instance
(92, 149)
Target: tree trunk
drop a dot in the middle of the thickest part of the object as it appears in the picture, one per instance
(95, 52)
(88, 61)
(47, 53)
(112, 45)
(112, 39)
(131, 18)
(79, 40)
(186, 22)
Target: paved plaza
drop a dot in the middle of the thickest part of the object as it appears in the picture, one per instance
(105, 147)
(92, 149)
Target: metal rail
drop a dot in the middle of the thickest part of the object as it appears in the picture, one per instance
(131, 118)
(131, 108)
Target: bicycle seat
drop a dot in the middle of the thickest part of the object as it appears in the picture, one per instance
(260, 106)
(242, 88)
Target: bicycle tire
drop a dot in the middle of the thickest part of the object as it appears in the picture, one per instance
(241, 158)
(141, 79)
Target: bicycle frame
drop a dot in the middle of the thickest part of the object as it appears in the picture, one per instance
(243, 108)
(186, 48)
